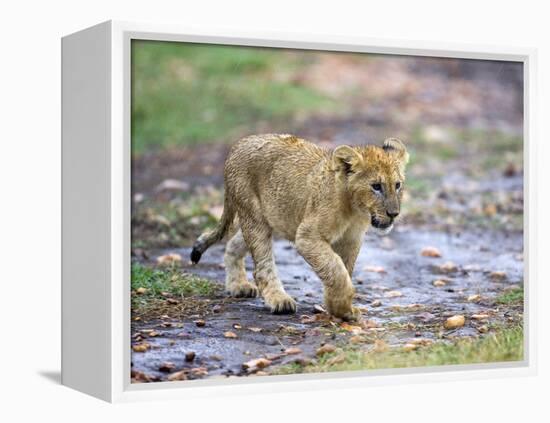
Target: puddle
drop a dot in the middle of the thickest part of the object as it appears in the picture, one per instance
(421, 305)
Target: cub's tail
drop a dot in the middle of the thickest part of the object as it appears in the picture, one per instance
(209, 238)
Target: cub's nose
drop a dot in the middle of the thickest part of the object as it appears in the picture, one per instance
(392, 214)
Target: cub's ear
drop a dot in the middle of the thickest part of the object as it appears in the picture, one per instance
(397, 148)
(345, 158)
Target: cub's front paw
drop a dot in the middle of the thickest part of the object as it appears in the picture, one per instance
(343, 309)
(280, 302)
(242, 289)
(354, 315)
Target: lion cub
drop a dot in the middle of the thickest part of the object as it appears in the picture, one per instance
(321, 200)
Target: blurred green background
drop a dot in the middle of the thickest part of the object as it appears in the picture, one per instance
(189, 93)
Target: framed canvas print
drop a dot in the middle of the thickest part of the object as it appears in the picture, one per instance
(253, 212)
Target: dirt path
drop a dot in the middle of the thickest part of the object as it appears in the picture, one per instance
(400, 303)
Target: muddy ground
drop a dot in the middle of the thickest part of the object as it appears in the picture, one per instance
(399, 304)
(464, 198)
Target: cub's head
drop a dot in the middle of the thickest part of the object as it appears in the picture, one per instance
(374, 179)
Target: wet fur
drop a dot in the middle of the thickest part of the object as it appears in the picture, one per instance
(322, 200)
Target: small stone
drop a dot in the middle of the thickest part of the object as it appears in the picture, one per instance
(439, 283)
(141, 290)
(498, 275)
(448, 267)
(430, 252)
(200, 323)
(376, 303)
(455, 322)
(167, 367)
(393, 294)
(144, 346)
(230, 335)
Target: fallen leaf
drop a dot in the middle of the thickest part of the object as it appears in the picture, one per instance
(455, 322)
(357, 339)
(200, 323)
(480, 316)
(141, 290)
(376, 303)
(237, 326)
(230, 335)
(255, 329)
(325, 349)
(168, 259)
(420, 341)
(144, 346)
(336, 360)
(318, 309)
(199, 371)
(172, 185)
(430, 252)
(410, 347)
(374, 269)
(190, 356)
(256, 364)
(350, 328)
(369, 324)
(293, 350)
(181, 375)
(483, 329)
(474, 298)
(393, 294)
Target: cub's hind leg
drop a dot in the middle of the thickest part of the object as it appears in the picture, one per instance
(236, 282)
(258, 236)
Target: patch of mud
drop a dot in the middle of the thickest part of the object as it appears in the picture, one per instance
(401, 301)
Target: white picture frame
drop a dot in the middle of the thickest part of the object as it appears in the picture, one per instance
(96, 213)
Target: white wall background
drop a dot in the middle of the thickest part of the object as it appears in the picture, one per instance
(30, 206)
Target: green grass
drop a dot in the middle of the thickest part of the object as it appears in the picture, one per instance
(185, 93)
(170, 280)
(512, 296)
(505, 345)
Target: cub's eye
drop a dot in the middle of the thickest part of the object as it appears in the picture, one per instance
(397, 185)
(377, 187)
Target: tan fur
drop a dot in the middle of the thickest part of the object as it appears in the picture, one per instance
(321, 200)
